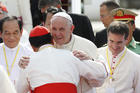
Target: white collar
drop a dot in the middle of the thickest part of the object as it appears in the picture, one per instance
(10, 49)
(45, 46)
(69, 45)
(119, 55)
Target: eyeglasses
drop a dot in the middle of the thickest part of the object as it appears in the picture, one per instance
(103, 16)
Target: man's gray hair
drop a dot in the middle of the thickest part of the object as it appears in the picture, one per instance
(110, 5)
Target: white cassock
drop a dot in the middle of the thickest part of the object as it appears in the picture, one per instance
(126, 76)
(12, 55)
(6, 85)
(51, 65)
(79, 43)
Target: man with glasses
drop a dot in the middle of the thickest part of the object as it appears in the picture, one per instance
(105, 16)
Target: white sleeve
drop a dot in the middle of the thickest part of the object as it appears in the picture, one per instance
(23, 85)
(6, 85)
(25, 12)
(136, 83)
(94, 72)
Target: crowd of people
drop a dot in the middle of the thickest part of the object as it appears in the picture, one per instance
(60, 54)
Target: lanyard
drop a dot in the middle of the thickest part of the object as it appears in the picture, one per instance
(112, 70)
(7, 67)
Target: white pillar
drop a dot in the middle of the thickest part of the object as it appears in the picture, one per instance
(76, 6)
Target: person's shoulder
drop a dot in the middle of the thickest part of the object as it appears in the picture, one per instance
(138, 47)
(138, 43)
(136, 33)
(77, 15)
(101, 34)
(25, 48)
(103, 31)
(134, 57)
(101, 49)
(132, 54)
(79, 38)
(52, 51)
(137, 29)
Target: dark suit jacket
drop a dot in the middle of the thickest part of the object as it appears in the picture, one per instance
(101, 37)
(36, 13)
(136, 34)
(83, 26)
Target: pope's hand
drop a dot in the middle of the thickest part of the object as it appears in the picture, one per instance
(81, 55)
(23, 62)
